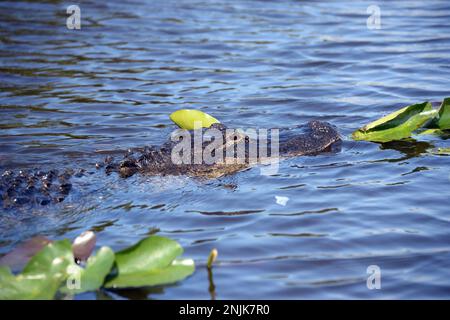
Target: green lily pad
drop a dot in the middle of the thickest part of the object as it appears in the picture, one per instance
(396, 118)
(444, 115)
(397, 125)
(190, 119)
(93, 275)
(431, 131)
(176, 271)
(41, 277)
(151, 261)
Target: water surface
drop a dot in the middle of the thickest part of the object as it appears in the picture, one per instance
(69, 96)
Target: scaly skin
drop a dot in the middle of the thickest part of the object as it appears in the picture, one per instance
(46, 187)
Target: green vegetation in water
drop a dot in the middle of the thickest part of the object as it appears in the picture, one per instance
(441, 151)
(212, 258)
(152, 261)
(418, 118)
(190, 119)
(52, 272)
(443, 120)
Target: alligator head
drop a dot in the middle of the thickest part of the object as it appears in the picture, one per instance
(223, 151)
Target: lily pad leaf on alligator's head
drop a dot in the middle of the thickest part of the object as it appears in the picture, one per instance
(192, 119)
(397, 125)
(151, 261)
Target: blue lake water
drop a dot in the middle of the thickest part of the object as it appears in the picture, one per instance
(67, 97)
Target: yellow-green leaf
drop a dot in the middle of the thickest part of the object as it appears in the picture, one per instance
(396, 118)
(176, 271)
(152, 261)
(41, 277)
(91, 277)
(398, 132)
(190, 119)
(432, 131)
(444, 115)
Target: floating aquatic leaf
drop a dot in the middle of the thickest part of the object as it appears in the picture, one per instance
(444, 115)
(397, 125)
(432, 131)
(53, 254)
(396, 118)
(192, 119)
(91, 277)
(150, 262)
(41, 277)
(176, 271)
(400, 132)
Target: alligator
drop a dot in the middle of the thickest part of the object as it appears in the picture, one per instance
(52, 186)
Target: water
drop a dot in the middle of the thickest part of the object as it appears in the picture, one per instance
(69, 96)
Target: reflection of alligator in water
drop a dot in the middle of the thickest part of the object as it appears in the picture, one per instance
(53, 186)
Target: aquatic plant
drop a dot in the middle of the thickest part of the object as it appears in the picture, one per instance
(53, 272)
(418, 118)
(190, 119)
